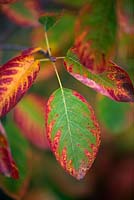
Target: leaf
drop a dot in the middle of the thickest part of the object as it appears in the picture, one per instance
(16, 77)
(114, 82)
(29, 116)
(7, 164)
(95, 45)
(72, 131)
(113, 115)
(23, 12)
(20, 151)
(125, 13)
(6, 1)
(48, 21)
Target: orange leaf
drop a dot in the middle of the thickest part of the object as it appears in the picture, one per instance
(16, 77)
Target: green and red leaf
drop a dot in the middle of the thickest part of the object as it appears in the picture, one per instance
(95, 45)
(16, 77)
(29, 117)
(114, 82)
(23, 12)
(7, 164)
(73, 131)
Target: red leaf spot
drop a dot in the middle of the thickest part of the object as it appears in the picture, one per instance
(67, 164)
(55, 142)
(69, 68)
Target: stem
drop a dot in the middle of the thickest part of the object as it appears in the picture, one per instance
(47, 42)
(53, 63)
(60, 57)
(58, 77)
(44, 59)
(48, 59)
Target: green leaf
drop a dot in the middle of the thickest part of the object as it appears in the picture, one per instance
(73, 131)
(113, 115)
(114, 82)
(19, 148)
(48, 21)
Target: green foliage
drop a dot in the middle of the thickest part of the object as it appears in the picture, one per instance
(113, 115)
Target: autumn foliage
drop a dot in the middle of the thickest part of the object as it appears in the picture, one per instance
(81, 43)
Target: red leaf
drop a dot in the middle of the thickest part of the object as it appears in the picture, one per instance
(23, 12)
(7, 164)
(16, 77)
(30, 119)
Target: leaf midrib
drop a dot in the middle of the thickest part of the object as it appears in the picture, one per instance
(68, 125)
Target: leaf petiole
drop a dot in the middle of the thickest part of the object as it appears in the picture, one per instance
(51, 60)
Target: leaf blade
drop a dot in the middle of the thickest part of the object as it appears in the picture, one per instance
(48, 21)
(30, 111)
(23, 12)
(17, 189)
(16, 77)
(114, 82)
(95, 45)
(7, 164)
(65, 134)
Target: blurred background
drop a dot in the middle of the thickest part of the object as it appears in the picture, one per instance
(41, 177)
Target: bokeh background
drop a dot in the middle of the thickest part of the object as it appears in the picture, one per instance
(41, 177)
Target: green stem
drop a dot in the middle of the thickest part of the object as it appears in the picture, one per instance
(47, 43)
(48, 59)
(53, 63)
(44, 59)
